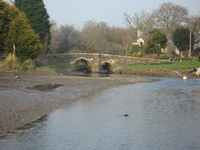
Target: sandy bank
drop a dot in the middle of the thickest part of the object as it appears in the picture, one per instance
(19, 105)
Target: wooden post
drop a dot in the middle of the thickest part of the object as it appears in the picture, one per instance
(190, 50)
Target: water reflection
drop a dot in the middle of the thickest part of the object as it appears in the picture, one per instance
(83, 74)
(162, 115)
(45, 87)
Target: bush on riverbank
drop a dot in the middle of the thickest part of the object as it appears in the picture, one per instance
(11, 61)
(11, 64)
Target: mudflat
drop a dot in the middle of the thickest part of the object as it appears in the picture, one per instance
(19, 105)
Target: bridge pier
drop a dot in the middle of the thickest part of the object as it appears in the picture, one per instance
(95, 63)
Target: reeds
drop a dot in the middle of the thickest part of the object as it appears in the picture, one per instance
(11, 61)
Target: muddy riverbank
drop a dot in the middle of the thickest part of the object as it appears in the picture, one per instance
(156, 72)
(19, 105)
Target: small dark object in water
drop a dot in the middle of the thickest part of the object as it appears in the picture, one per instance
(126, 115)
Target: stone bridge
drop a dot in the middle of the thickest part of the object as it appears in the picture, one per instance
(94, 62)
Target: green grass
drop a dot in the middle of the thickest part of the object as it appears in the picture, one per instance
(48, 68)
(172, 66)
(40, 65)
(1, 63)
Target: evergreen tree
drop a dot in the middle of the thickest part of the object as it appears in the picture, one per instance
(38, 19)
(22, 36)
(181, 39)
(156, 41)
(4, 24)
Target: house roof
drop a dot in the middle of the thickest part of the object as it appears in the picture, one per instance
(144, 37)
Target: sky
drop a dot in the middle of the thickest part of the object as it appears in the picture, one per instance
(77, 12)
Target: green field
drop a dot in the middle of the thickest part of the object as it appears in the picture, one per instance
(168, 65)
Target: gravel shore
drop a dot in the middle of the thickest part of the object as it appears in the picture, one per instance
(19, 105)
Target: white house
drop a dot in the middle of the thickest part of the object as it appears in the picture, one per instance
(141, 39)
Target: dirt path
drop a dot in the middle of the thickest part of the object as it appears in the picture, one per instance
(19, 105)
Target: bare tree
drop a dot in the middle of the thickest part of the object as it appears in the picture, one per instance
(98, 37)
(93, 36)
(64, 38)
(139, 20)
(195, 20)
(170, 15)
(67, 38)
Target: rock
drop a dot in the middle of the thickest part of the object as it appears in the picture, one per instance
(126, 115)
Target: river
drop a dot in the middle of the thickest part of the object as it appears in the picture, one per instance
(162, 115)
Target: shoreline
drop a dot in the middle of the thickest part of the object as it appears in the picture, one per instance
(20, 106)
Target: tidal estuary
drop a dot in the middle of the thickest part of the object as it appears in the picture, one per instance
(162, 115)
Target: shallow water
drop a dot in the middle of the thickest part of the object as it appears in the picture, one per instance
(45, 87)
(163, 115)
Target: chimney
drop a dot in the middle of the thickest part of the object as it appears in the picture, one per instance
(140, 33)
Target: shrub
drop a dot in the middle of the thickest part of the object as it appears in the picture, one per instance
(135, 49)
(29, 64)
(11, 61)
(162, 56)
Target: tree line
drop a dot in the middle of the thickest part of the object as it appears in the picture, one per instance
(25, 25)
(94, 37)
(168, 20)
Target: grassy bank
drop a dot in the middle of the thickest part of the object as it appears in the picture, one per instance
(168, 65)
(166, 69)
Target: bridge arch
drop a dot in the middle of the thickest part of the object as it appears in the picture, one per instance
(82, 65)
(106, 67)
